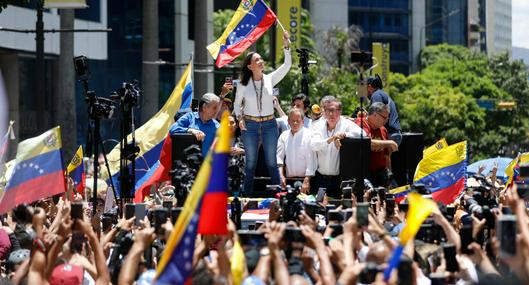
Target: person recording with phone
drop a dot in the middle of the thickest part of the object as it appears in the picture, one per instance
(201, 124)
(256, 114)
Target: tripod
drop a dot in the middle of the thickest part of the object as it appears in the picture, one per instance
(98, 108)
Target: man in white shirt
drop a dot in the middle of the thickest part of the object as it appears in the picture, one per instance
(295, 159)
(326, 135)
(300, 101)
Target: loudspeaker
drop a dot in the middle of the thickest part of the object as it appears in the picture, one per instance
(355, 159)
(405, 160)
(181, 142)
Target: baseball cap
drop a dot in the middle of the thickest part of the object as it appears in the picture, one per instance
(316, 109)
(66, 274)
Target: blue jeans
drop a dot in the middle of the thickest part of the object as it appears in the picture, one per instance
(256, 133)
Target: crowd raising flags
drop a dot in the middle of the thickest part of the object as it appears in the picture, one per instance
(38, 171)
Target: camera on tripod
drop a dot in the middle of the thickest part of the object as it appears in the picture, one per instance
(304, 62)
(129, 94)
(184, 173)
(292, 206)
(235, 173)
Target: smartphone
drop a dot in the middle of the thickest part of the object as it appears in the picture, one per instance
(311, 210)
(466, 238)
(293, 235)
(390, 206)
(362, 211)
(77, 210)
(524, 172)
(168, 205)
(160, 218)
(175, 212)
(228, 79)
(129, 211)
(489, 217)
(346, 183)
(106, 223)
(347, 214)
(381, 191)
(336, 230)
(334, 215)
(523, 190)
(321, 194)
(252, 238)
(347, 193)
(405, 271)
(507, 235)
(347, 203)
(139, 213)
(449, 251)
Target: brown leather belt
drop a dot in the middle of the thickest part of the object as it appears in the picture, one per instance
(258, 119)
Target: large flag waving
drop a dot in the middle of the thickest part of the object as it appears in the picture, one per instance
(440, 144)
(250, 21)
(443, 172)
(151, 135)
(175, 266)
(38, 172)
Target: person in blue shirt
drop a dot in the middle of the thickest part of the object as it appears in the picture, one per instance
(376, 94)
(201, 124)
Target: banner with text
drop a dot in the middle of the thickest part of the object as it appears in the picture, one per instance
(289, 14)
(381, 53)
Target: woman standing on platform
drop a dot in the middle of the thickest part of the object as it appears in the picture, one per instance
(254, 108)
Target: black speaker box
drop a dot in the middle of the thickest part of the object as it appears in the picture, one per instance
(405, 160)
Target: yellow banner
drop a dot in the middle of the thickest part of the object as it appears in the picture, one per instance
(289, 14)
(65, 4)
(381, 55)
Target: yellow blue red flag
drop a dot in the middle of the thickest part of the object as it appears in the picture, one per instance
(38, 172)
(443, 172)
(76, 170)
(250, 21)
(440, 144)
(175, 266)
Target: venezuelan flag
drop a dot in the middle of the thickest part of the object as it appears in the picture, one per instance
(443, 172)
(151, 136)
(440, 144)
(76, 170)
(250, 21)
(38, 171)
(175, 266)
(400, 193)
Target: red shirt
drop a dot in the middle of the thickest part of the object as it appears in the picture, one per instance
(378, 158)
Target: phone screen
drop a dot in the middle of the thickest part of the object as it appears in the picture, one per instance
(139, 212)
(362, 214)
(129, 211)
(77, 211)
(449, 251)
(466, 238)
(321, 195)
(507, 235)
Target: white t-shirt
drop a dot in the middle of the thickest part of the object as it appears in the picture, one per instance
(293, 151)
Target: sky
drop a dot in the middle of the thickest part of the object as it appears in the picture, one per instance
(520, 23)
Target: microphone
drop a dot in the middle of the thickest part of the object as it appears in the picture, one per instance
(298, 185)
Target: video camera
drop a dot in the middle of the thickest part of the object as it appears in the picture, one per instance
(292, 206)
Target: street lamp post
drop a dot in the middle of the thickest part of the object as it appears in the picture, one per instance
(453, 12)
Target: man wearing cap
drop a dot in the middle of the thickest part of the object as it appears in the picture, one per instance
(316, 113)
(376, 94)
(295, 159)
(201, 124)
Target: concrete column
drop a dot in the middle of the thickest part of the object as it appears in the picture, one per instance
(201, 79)
(418, 20)
(64, 109)
(10, 71)
(182, 43)
(150, 72)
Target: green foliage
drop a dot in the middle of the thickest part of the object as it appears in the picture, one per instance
(441, 100)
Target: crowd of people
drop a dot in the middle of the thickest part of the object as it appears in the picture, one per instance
(332, 241)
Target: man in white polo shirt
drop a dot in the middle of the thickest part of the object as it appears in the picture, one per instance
(326, 135)
(295, 159)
